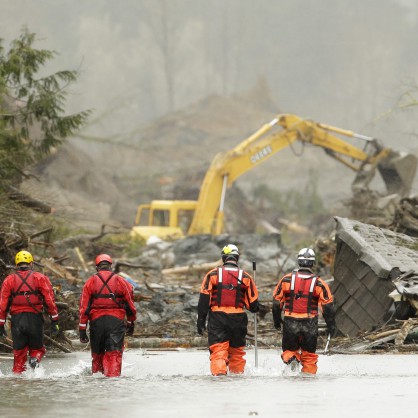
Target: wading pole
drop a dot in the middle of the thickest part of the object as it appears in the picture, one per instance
(327, 344)
(255, 324)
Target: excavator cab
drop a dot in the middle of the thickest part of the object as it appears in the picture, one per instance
(166, 219)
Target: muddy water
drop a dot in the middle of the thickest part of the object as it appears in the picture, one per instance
(178, 384)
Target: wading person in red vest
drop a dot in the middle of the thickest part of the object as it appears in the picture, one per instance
(225, 292)
(106, 300)
(24, 294)
(300, 294)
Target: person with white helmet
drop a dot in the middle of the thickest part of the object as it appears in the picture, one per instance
(105, 301)
(225, 292)
(24, 294)
(300, 295)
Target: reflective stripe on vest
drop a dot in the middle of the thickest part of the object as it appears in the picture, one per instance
(302, 301)
(230, 293)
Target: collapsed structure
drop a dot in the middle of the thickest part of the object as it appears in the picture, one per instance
(375, 276)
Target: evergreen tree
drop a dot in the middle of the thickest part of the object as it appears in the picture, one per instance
(32, 107)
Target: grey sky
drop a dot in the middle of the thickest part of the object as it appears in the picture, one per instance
(343, 62)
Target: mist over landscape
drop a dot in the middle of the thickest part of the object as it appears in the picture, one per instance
(148, 69)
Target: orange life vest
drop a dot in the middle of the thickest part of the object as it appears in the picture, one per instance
(300, 298)
(229, 289)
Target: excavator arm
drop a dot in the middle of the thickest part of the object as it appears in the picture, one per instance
(397, 170)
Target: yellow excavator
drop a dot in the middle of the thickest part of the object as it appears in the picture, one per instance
(177, 218)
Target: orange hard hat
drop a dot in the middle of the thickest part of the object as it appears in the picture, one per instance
(103, 257)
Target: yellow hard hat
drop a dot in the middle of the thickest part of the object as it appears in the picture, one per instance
(23, 257)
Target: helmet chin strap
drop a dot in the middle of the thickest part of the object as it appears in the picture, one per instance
(104, 266)
(231, 259)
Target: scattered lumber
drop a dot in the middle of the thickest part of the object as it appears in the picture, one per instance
(192, 268)
(57, 344)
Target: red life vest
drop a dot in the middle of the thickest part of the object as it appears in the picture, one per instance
(104, 297)
(229, 289)
(300, 299)
(26, 293)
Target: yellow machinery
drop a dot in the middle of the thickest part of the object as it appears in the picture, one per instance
(165, 218)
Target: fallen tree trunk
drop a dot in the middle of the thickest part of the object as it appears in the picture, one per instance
(154, 342)
(191, 268)
(407, 326)
(60, 271)
(9, 347)
(383, 334)
(25, 200)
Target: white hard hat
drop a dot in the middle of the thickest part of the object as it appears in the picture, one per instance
(230, 251)
(306, 257)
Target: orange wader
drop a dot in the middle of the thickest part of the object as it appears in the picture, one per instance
(226, 337)
(299, 342)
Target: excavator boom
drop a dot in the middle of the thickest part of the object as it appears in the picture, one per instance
(396, 168)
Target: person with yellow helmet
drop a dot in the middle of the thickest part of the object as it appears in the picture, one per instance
(105, 301)
(225, 292)
(24, 294)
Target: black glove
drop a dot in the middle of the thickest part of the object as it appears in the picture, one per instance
(83, 336)
(277, 315)
(201, 326)
(328, 312)
(2, 331)
(130, 328)
(331, 330)
(55, 328)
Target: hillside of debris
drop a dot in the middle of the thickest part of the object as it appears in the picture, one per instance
(93, 181)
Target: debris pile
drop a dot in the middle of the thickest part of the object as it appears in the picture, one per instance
(406, 216)
(372, 272)
(166, 277)
(399, 337)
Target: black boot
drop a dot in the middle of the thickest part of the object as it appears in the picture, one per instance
(33, 363)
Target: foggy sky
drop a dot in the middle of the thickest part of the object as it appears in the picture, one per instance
(341, 62)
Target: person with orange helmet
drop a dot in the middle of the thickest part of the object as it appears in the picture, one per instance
(105, 301)
(300, 295)
(24, 294)
(225, 292)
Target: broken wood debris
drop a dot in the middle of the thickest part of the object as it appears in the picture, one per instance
(167, 295)
(390, 338)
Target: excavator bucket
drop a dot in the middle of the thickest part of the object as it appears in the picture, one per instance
(398, 172)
